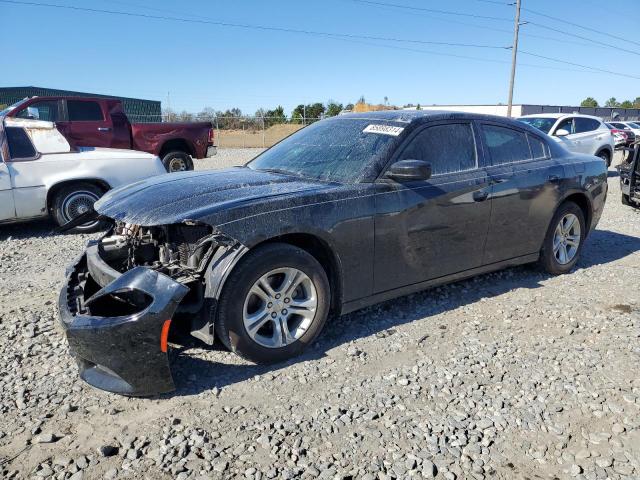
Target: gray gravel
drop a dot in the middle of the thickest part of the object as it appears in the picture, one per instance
(510, 375)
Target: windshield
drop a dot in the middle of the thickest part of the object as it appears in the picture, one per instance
(345, 150)
(541, 123)
(11, 107)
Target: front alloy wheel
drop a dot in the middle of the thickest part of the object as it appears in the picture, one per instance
(280, 307)
(274, 303)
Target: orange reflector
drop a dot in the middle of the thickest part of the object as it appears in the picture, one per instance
(164, 335)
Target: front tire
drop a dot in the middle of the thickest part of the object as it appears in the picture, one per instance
(564, 239)
(177, 162)
(73, 200)
(275, 303)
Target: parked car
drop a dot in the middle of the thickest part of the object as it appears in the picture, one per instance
(345, 213)
(619, 138)
(632, 132)
(578, 133)
(629, 136)
(630, 178)
(40, 175)
(101, 122)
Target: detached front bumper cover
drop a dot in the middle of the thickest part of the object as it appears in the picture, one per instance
(123, 353)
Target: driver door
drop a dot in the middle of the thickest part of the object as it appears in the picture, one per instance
(436, 227)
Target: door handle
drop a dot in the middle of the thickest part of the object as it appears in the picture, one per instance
(554, 178)
(480, 195)
(104, 129)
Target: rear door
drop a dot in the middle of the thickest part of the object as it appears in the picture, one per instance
(428, 229)
(525, 190)
(589, 134)
(86, 125)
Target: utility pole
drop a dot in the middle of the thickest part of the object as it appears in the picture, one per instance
(514, 56)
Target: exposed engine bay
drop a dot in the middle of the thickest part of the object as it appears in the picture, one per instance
(181, 252)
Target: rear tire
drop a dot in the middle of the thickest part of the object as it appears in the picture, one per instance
(564, 240)
(286, 326)
(73, 200)
(606, 156)
(177, 161)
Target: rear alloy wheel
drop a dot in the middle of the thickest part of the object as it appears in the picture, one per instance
(563, 242)
(74, 200)
(604, 155)
(177, 162)
(274, 304)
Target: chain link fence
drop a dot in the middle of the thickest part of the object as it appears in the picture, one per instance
(242, 131)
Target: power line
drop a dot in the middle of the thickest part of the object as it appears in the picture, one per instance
(433, 10)
(248, 26)
(609, 45)
(580, 65)
(562, 20)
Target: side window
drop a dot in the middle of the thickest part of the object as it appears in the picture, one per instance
(20, 145)
(45, 110)
(583, 125)
(83, 111)
(566, 125)
(505, 145)
(449, 148)
(538, 148)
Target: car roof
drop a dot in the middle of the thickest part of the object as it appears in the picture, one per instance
(560, 115)
(423, 116)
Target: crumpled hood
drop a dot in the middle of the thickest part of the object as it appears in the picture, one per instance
(176, 197)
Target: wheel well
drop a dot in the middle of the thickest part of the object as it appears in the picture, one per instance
(177, 144)
(318, 249)
(53, 191)
(581, 200)
(605, 149)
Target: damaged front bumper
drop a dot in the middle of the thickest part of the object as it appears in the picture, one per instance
(117, 324)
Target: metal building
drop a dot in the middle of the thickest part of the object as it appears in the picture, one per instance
(137, 109)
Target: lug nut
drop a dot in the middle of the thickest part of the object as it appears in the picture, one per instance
(274, 315)
(269, 305)
(284, 312)
(286, 300)
(277, 296)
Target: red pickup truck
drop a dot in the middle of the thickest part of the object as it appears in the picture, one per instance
(101, 122)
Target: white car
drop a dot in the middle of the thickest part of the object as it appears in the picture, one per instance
(578, 133)
(40, 174)
(627, 126)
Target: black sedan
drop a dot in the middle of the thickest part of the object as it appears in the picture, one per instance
(345, 213)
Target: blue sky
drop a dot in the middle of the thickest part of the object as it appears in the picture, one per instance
(206, 65)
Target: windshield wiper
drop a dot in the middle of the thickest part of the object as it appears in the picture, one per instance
(277, 170)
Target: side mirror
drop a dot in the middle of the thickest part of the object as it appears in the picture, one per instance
(562, 132)
(409, 171)
(33, 113)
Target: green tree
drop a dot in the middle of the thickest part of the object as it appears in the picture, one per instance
(275, 116)
(612, 102)
(589, 102)
(333, 108)
(636, 103)
(626, 104)
(349, 106)
(418, 107)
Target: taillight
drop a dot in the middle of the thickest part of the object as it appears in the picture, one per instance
(211, 135)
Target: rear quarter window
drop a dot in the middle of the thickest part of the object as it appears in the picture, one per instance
(20, 146)
(538, 147)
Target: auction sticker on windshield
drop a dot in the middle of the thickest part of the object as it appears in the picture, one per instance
(384, 130)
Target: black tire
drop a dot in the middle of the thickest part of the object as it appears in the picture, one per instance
(177, 161)
(548, 259)
(63, 209)
(229, 323)
(606, 156)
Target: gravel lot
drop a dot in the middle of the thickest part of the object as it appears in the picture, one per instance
(510, 375)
